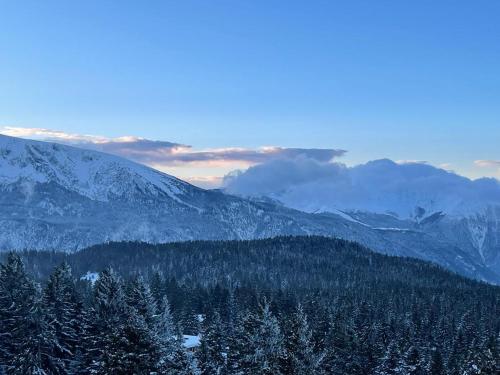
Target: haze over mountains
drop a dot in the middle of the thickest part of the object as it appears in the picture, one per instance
(60, 197)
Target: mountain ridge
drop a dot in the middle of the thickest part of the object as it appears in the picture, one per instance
(57, 197)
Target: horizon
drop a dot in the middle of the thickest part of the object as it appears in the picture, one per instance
(218, 184)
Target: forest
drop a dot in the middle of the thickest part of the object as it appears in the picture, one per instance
(285, 305)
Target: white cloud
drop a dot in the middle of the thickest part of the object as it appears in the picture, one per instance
(487, 163)
(378, 186)
(169, 153)
(189, 163)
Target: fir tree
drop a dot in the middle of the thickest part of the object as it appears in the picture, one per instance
(303, 358)
(389, 363)
(63, 310)
(266, 344)
(213, 349)
(436, 366)
(27, 340)
(411, 363)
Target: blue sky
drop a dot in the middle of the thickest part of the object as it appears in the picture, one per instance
(398, 79)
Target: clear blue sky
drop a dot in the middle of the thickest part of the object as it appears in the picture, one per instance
(398, 79)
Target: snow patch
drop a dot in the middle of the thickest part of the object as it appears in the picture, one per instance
(191, 341)
(90, 276)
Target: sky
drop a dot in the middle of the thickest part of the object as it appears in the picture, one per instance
(232, 84)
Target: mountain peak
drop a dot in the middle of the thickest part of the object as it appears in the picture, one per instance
(94, 174)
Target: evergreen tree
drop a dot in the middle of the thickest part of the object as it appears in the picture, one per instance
(157, 286)
(27, 340)
(174, 359)
(303, 358)
(134, 349)
(266, 344)
(436, 366)
(213, 349)
(105, 326)
(139, 297)
(63, 310)
(389, 363)
(411, 363)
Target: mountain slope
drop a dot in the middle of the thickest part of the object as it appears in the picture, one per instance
(64, 198)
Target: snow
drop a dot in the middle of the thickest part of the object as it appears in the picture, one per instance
(90, 276)
(93, 174)
(344, 215)
(394, 229)
(191, 341)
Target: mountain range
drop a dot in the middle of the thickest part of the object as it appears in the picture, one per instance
(59, 197)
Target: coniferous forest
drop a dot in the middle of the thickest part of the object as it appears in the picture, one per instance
(288, 305)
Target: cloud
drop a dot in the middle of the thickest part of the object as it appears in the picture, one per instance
(412, 162)
(379, 186)
(205, 182)
(487, 163)
(276, 176)
(165, 155)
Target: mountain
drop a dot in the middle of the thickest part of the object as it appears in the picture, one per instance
(57, 197)
(390, 197)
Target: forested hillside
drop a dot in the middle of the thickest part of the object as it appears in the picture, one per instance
(288, 305)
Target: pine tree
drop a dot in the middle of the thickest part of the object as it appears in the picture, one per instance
(63, 310)
(389, 363)
(266, 344)
(139, 297)
(173, 359)
(213, 349)
(411, 363)
(157, 287)
(337, 346)
(182, 362)
(105, 326)
(436, 366)
(238, 343)
(135, 349)
(303, 358)
(27, 340)
(361, 359)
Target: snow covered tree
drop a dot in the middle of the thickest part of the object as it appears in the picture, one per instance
(182, 362)
(337, 346)
(105, 325)
(63, 310)
(173, 359)
(157, 287)
(389, 363)
(213, 349)
(302, 356)
(264, 344)
(27, 340)
(135, 349)
(139, 297)
(436, 365)
(411, 363)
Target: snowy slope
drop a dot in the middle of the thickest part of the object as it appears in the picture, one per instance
(95, 175)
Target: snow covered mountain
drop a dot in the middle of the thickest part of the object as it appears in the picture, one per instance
(60, 197)
(389, 197)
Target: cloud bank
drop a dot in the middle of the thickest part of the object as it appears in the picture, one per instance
(308, 179)
(487, 163)
(170, 154)
(380, 186)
